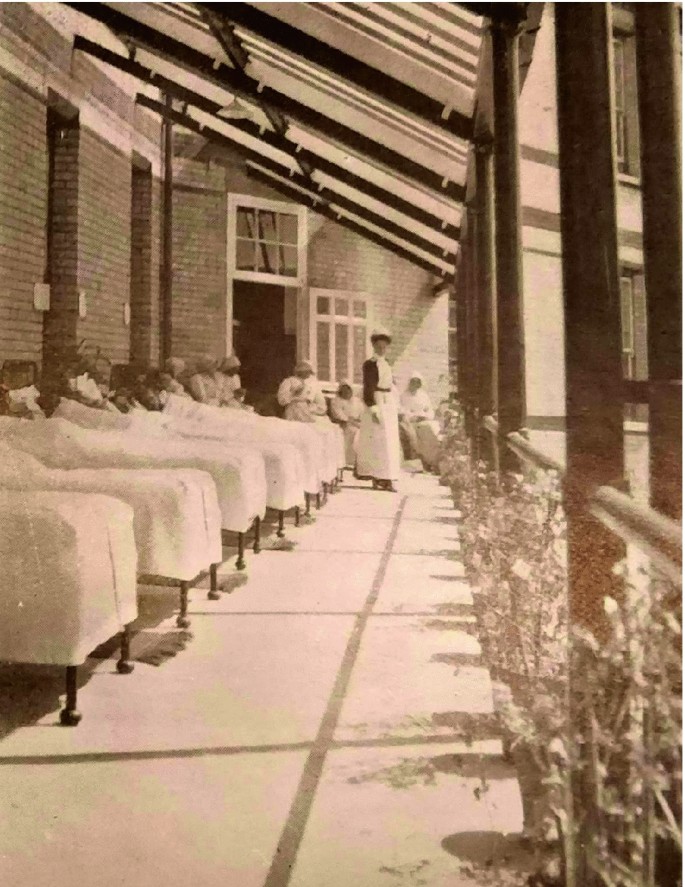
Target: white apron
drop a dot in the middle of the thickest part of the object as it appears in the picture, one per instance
(378, 447)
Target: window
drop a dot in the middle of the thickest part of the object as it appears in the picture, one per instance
(633, 325)
(341, 334)
(625, 91)
(266, 240)
(452, 340)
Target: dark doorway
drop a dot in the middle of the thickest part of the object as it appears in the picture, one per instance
(266, 350)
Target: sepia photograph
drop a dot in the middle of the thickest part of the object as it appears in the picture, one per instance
(341, 444)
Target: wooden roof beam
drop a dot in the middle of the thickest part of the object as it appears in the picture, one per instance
(239, 83)
(320, 193)
(324, 209)
(374, 81)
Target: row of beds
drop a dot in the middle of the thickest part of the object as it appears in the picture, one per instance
(94, 503)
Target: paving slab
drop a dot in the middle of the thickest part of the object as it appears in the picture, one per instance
(241, 681)
(298, 581)
(346, 534)
(391, 817)
(423, 585)
(212, 821)
(414, 676)
(427, 538)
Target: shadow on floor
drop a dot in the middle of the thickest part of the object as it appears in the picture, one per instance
(424, 771)
(491, 858)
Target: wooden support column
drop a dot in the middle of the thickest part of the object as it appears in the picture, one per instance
(659, 96)
(511, 406)
(486, 307)
(460, 296)
(594, 407)
(167, 269)
(472, 365)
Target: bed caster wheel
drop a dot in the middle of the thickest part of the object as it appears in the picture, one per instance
(124, 666)
(183, 622)
(69, 717)
(214, 594)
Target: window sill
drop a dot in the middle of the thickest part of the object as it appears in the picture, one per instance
(627, 179)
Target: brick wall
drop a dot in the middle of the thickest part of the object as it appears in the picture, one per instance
(104, 245)
(401, 296)
(145, 307)
(60, 323)
(198, 323)
(23, 198)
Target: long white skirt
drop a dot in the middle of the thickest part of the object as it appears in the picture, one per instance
(378, 448)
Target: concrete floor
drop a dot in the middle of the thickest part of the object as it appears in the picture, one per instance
(329, 724)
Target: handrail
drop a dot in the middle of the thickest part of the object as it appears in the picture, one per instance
(658, 536)
(528, 453)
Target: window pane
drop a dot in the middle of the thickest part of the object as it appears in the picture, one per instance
(245, 222)
(323, 305)
(244, 255)
(358, 351)
(267, 225)
(341, 334)
(627, 313)
(342, 307)
(360, 309)
(288, 228)
(267, 258)
(323, 358)
(288, 260)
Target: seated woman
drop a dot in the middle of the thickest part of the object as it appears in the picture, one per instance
(205, 385)
(229, 375)
(172, 376)
(301, 395)
(417, 424)
(346, 411)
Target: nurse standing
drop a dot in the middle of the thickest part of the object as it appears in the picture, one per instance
(378, 453)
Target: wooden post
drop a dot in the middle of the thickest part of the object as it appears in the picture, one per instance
(511, 400)
(486, 308)
(659, 96)
(472, 361)
(166, 276)
(594, 406)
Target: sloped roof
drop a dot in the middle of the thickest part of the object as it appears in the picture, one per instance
(364, 109)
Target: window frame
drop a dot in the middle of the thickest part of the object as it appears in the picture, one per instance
(248, 201)
(351, 296)
(635, 358)
(623, 32)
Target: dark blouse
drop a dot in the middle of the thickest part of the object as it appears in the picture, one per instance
(370, 381)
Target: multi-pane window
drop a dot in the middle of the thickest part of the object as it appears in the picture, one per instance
(341, 335)
(633, 325)
(266, 241)
(625, 89)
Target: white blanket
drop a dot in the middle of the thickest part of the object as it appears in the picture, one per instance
(285, 481)
(309, 439)
(68, 578)
(177, 521)
(240, 479)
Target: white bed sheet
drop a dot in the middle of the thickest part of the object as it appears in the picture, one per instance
(240, 478)
(68, 578)
(177, 520)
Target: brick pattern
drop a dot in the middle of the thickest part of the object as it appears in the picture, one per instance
(145, 295)
(198, 323)
(60, 324)
(401, 296)
(104, 245)
(23, 198)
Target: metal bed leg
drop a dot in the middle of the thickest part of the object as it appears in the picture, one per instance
(240, 563)
(182, 621)
(124, 665)
(325, 493)
(70, 716)
(308, 505)
(318, 501)
(215, 590)
(257, 547)
(297, 515)
(280, 532)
